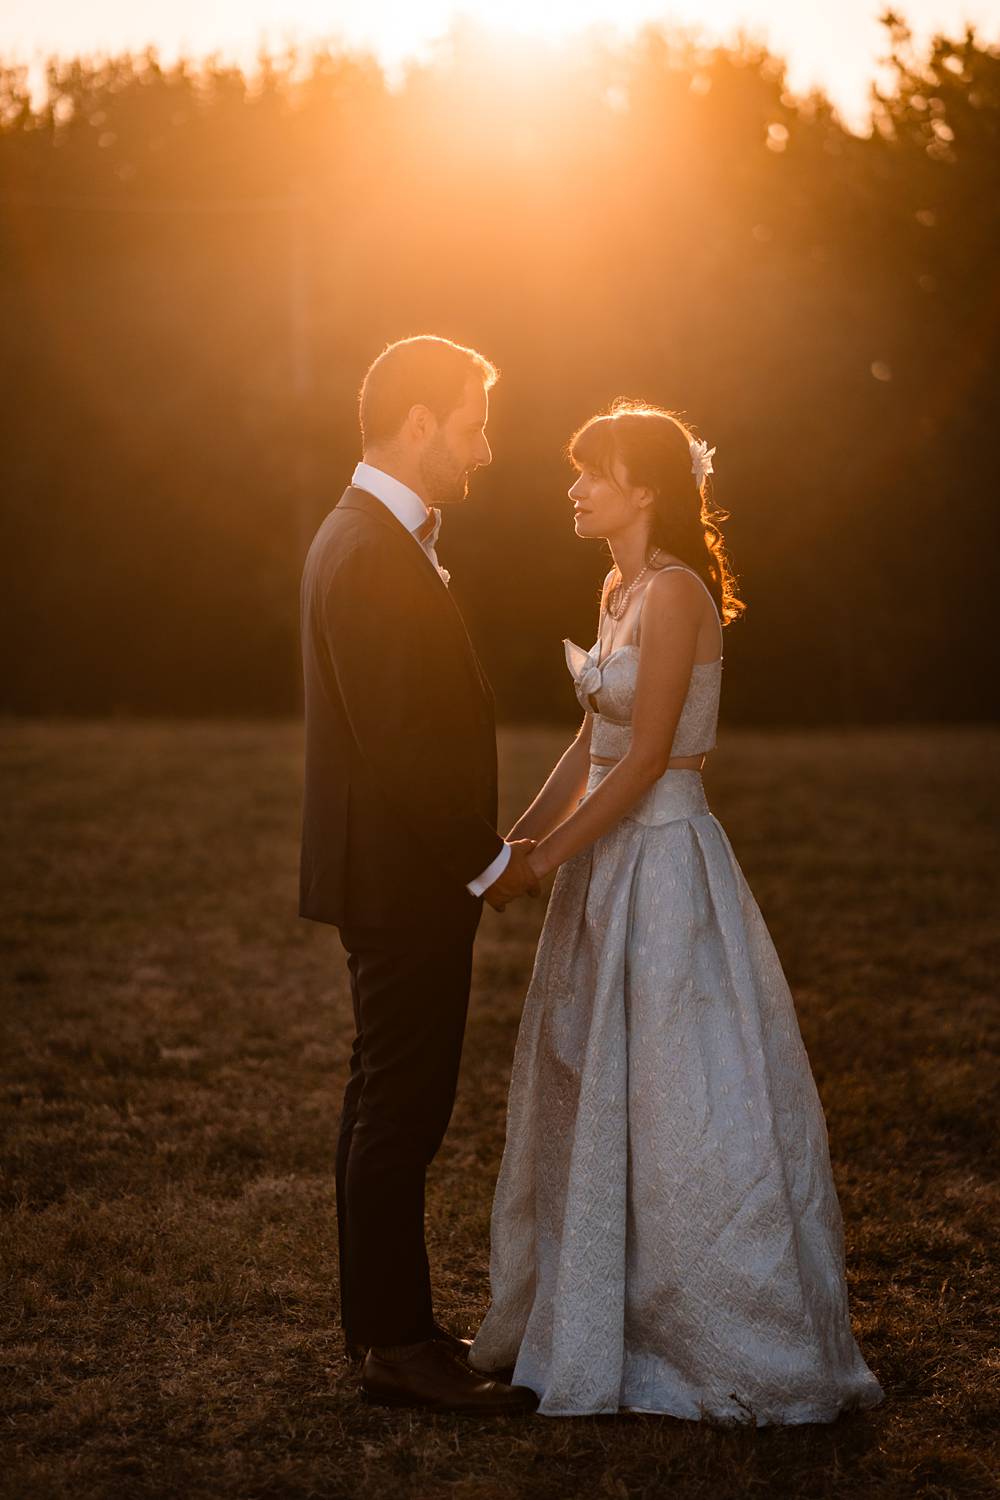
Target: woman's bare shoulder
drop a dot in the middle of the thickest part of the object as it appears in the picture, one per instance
(675, 586)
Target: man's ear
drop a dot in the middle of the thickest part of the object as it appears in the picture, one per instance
(420, 422)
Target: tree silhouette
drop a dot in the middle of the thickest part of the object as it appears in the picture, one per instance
(200, 264)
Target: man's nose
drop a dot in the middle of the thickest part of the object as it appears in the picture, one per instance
(574, 491)
(484, 456)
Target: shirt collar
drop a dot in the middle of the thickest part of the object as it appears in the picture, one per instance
(405, 504)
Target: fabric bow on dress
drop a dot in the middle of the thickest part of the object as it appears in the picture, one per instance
(585, 672)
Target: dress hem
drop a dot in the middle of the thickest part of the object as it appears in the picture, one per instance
(818, 1417)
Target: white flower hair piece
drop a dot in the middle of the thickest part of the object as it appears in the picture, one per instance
(701, 460)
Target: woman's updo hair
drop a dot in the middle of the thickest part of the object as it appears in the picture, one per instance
(654, 446)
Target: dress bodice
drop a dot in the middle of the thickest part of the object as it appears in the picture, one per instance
(607, 689)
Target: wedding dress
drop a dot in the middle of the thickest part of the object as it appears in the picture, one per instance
(666, 1235)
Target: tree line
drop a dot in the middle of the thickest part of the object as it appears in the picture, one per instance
(200, 263)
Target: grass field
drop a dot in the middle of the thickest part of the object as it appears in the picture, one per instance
(174, 1050)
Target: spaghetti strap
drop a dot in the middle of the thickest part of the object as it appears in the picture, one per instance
(638, 618)
(677, 568)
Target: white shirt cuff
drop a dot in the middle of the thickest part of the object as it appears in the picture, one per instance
(492, 872)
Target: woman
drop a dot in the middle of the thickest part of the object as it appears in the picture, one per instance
(666, 1232)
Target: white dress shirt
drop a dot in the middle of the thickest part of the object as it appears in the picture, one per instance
(408, 508)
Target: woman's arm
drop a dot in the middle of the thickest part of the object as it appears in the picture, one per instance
(666, 656)
(568, 780)
(561, 792)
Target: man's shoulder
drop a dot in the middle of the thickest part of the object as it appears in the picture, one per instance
(361, 546)
(348, 527)
(354, 511)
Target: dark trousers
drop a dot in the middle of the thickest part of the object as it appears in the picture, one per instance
(410, 995)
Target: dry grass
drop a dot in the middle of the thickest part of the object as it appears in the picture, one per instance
(175, 1045)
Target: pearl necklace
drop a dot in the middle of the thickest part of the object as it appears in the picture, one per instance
(616, 610)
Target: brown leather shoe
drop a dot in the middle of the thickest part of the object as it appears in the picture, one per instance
(459, 1347)
(504, 1376)
(429, 1375)
(356, 1352)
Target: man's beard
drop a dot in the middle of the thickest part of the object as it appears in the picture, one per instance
(441, 485)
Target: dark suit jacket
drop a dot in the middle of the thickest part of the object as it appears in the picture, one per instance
(401, 771)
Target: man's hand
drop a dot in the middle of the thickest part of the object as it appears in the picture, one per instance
(518, 879)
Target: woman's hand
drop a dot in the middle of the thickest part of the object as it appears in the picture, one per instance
(518, 879)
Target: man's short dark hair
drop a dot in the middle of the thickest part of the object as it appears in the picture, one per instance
(426, 371)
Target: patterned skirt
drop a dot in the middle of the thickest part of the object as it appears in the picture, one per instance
(666, 1234)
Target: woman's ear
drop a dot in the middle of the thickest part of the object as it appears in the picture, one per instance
(644, 498)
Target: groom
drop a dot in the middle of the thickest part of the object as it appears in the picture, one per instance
(400, 846)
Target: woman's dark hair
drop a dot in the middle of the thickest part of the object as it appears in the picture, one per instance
(654, 446)
(426, 371)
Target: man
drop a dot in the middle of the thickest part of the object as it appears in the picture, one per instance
(400, 844)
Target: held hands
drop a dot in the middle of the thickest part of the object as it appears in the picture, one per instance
(518, 879)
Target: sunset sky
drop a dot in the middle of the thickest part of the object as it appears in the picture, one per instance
(835, 43)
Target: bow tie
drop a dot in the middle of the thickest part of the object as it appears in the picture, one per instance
(427, 532)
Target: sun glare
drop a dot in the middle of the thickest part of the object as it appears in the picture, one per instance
(834, 47)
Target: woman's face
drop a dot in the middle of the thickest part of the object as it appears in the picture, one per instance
(605, 506)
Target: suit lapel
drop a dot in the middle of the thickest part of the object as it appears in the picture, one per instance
(405, 545)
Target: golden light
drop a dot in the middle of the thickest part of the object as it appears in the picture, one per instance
(836, 47)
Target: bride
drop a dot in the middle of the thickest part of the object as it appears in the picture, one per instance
(666, 1235)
